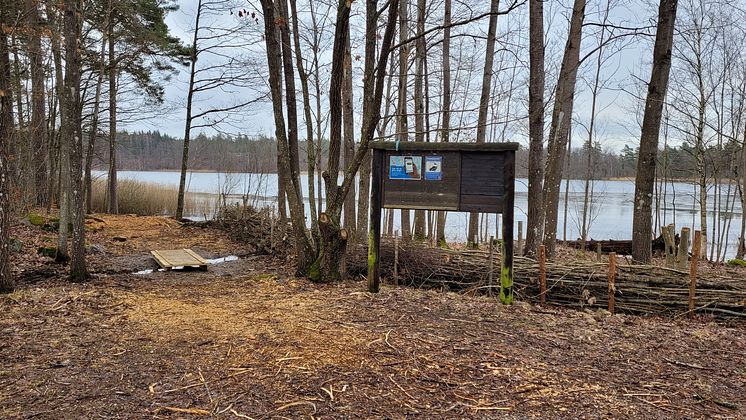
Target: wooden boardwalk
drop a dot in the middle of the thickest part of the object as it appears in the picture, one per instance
(177, 258)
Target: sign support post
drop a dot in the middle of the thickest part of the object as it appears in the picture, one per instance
(374, 236)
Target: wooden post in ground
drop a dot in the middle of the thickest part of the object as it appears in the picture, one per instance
(598, 252)
(396, 257)
(682, 255)
(612, 279)
(519, 245)
(374, 236)
(693, 271)
(542, 274)
(489, 274)
(506, 265)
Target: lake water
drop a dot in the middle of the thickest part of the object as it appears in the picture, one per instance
(611, 211)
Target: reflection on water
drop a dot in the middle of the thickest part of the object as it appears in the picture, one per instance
(610, 211)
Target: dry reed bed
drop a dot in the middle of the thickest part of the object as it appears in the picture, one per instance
(150, 199)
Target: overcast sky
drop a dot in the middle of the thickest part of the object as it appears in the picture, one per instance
(616, 120)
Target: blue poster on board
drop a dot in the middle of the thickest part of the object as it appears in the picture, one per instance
(433, 168)
(405, 167)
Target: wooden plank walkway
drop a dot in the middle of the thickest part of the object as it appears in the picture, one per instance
(172, 258)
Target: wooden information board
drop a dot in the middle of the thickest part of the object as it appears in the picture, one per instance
(467, 177)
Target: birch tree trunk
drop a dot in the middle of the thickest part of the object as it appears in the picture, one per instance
(642, 217)
(560, 127)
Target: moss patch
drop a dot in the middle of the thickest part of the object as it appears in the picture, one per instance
(36, 219)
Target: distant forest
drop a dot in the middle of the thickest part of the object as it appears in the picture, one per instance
(152, 150)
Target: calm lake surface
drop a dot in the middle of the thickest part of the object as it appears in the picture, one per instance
(611, 211)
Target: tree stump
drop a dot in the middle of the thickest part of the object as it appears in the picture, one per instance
(670, 240)
(682, 255)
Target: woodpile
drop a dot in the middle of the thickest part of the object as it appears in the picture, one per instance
(620, 247)
(639, 289)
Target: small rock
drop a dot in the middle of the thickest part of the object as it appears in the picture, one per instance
(15, 246)
(119, 238)
(96, 249)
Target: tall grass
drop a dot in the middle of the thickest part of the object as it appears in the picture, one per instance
(147, 199)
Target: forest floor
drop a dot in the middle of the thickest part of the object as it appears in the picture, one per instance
(247, 340)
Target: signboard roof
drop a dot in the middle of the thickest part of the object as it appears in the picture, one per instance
(411, 146)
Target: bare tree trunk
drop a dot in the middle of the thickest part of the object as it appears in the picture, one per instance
(188, 119)
(484, 102)
(319, 119)
(560, 127)
(642, 217)
(94, 130)
(6, 138)
(38, 105)
(71, 128)
(402, 109)
(113, 202)
(350, 218)
(591, 126)
(419, 104)
(292, 118)
(58, 179)
(741, 252)
(702, 178)
(445, 124)
(311, 152)
(304, 251)
(567, 187)
(333, 237)
(363, 200)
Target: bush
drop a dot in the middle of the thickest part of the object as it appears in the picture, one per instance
(145, 199)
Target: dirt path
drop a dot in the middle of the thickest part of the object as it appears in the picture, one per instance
(243, 339)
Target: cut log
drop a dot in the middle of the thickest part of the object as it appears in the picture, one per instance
(620, 247)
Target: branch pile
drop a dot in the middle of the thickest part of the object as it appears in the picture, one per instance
(259, 228)
(639, 289)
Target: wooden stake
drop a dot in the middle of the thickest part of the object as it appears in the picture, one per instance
(396, 257)
(612, 279)
(519, 246)
(489, 274)
(543, 274)
(598, 252)
(693, 271)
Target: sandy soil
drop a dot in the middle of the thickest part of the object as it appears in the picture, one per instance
(246, 340)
